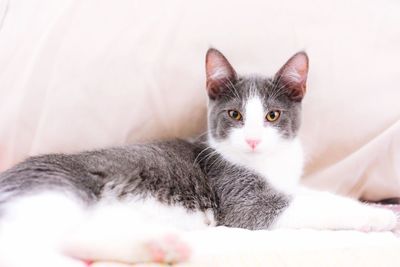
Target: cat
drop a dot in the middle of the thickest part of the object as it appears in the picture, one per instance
(130, 203)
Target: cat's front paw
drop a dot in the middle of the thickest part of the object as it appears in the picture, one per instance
(376, 219)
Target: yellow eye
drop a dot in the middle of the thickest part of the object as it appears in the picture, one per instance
(234, 114)
(273, 115)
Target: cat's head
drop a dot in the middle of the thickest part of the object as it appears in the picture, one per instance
(253, 115)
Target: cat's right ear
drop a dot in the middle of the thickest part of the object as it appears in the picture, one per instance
(219, 73)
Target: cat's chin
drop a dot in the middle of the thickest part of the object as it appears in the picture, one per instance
(254, 152)
(249, 156)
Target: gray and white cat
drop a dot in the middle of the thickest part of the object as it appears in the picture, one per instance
(123, 203)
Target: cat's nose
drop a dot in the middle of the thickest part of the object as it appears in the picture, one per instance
(253, 142)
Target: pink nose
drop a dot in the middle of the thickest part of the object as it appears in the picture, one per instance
(253, 142)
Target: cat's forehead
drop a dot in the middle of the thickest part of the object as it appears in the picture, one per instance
(254, 86)
(247, 88)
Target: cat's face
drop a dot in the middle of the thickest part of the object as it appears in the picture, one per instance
(253, 115)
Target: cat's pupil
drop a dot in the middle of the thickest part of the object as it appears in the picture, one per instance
(272, 114)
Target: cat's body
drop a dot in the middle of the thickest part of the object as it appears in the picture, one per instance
(116, 204)
(174, 173)
(176, 184)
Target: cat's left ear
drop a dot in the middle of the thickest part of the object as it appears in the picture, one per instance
(219, 73)
(293, 76)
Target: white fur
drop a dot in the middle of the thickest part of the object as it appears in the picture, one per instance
(43, 226)
(279, 160)
(32, 228)
(323, 210)
(128, 225)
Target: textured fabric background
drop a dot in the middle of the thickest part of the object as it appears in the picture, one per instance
(78, 75)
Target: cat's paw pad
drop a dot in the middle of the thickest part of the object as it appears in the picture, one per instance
(87, 262)
(168, 249)
(379, 220)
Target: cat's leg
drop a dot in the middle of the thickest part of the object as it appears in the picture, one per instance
(323, 210)
(32, 227)
(122, 233)
(51, 229)
(160, 246)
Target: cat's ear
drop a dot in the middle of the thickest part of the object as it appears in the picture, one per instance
(219, 73)
(293, 76)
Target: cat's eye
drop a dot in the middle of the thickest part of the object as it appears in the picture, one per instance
(234, 114)
(273, 115)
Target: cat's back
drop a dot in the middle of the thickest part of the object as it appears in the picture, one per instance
(165, 170)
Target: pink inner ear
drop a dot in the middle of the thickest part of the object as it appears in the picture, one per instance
(218, 71)
(293, 75)
(299, 64)
(217, 66)
(296, 68)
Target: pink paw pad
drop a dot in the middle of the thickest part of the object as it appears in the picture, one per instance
(180, 248)
(157, 253)
(168, 249)
(88, 262)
